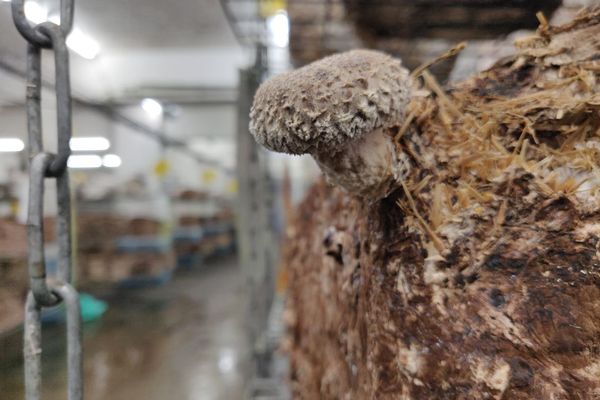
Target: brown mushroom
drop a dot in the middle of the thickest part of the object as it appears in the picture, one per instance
(340, 110)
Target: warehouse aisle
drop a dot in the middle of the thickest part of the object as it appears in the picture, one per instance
(182, 341)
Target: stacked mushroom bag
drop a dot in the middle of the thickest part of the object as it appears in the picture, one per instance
(458, 255)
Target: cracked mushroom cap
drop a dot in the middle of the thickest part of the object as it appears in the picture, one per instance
(323, 105)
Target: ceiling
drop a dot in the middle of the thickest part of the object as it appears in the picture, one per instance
(146, 46)
(143, 24)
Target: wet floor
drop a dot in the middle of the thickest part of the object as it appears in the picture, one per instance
(182, 341)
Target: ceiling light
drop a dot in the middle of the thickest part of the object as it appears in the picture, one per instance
(11, 145)
(35, 12)
(152, 107)
(226, 362)
(88, 161)
(279, 29)
(111, 161)
(6, 1)
(83, 44)
(79, 42)
(92, 143)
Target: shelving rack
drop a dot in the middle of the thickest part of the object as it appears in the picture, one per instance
(204, 234)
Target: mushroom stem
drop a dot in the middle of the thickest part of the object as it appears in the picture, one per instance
(367, 167)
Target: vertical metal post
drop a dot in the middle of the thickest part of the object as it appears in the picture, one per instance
(257, 243)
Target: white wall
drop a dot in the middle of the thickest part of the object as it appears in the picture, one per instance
(184, 67)
(138, 152)
(217, 121)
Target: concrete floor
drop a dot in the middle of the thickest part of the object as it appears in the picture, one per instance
(182, 341)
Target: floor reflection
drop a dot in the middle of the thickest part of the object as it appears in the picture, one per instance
(182, 341)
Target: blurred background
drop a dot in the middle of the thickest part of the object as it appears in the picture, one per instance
(179, 216)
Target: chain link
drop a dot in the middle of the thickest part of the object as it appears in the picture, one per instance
(44, 165)
(31, 33)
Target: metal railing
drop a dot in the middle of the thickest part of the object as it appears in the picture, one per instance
(42, 165)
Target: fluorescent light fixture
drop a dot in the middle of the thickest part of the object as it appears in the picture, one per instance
(11, 145)
(35, 12)
(6, 1)
(92, 143)
(87, 161)
(152, 107)
(278, 26)
(79, 42)
(111, 161)
(83, 44)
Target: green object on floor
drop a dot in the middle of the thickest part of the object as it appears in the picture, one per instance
(91, 307)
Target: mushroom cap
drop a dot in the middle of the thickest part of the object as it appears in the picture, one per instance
(321, 106)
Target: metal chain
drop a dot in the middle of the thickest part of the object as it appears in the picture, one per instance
(43, 165)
